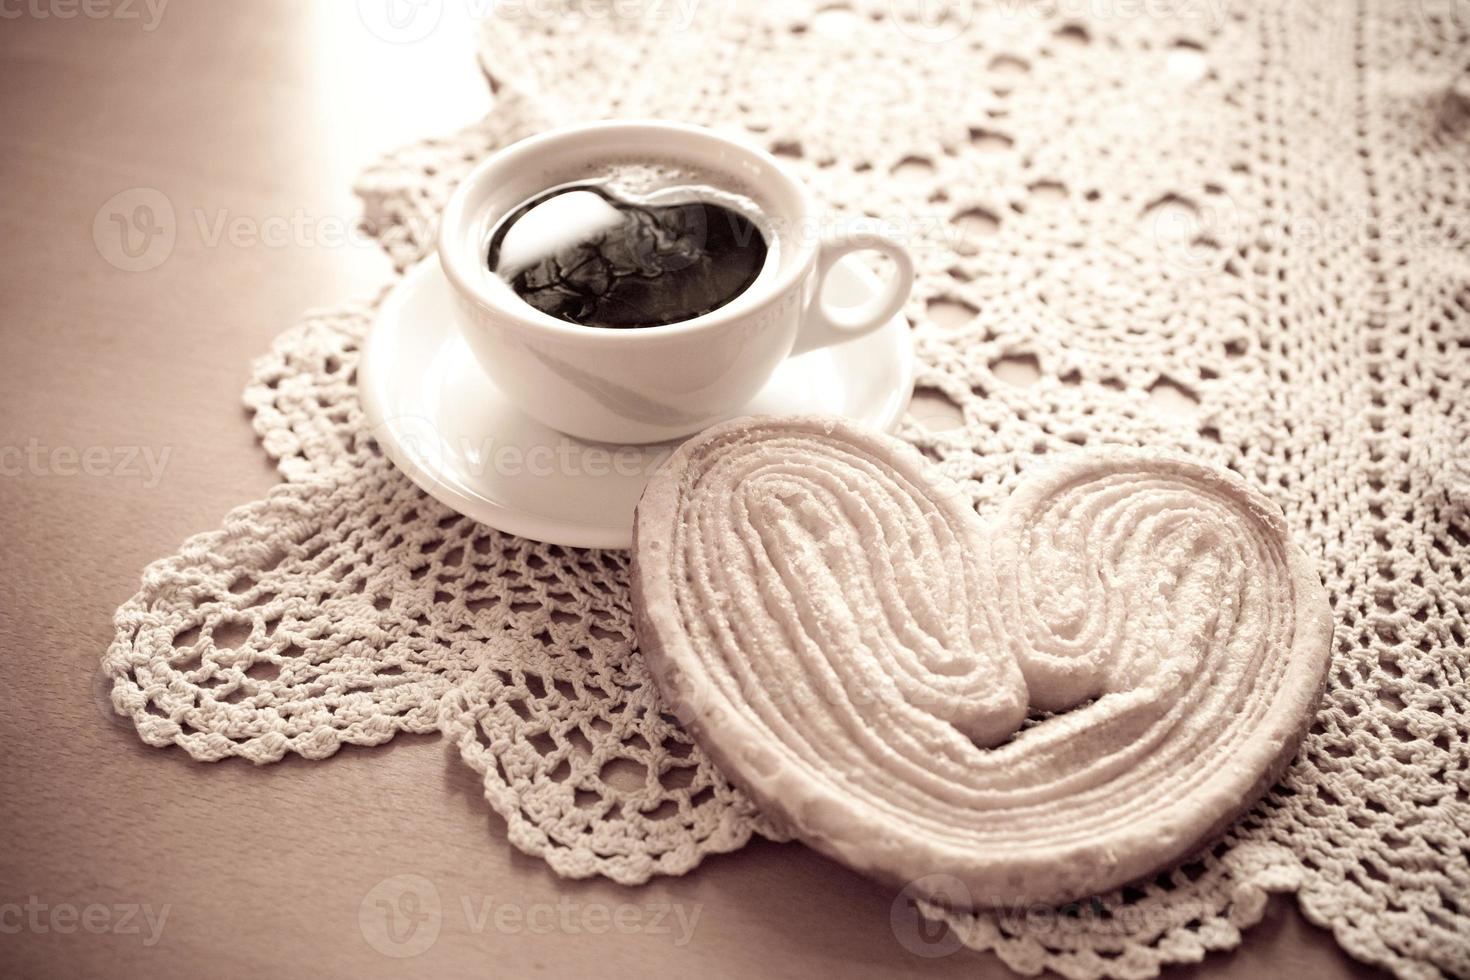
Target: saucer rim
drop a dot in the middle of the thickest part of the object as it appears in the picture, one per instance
(517, 521)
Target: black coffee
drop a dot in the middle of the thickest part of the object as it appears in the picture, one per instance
(586, 254)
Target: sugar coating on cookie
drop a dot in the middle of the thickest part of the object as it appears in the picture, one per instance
(1035, 705)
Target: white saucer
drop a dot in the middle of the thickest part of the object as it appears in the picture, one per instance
(447, 425)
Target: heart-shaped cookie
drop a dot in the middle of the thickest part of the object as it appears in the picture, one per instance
(1067, 696)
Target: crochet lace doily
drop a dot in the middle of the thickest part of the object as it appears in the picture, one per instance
(1238, 230)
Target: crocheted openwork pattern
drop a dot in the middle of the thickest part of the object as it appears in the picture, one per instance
(1239, 231)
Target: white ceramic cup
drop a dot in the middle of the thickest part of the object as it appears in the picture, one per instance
(650, 384)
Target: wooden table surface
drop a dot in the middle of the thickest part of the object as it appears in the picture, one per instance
(122, 860)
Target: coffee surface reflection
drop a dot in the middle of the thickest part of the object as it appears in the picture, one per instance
(586, 255)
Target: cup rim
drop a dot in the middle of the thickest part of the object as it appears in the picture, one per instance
(463, 277)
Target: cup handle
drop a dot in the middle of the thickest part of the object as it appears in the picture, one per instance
(825, 325)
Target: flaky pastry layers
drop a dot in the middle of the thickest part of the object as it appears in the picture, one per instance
(1043, 705)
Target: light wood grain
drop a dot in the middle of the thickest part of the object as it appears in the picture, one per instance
(260, 109)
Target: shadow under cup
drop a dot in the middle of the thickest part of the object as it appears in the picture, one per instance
(641, 385)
